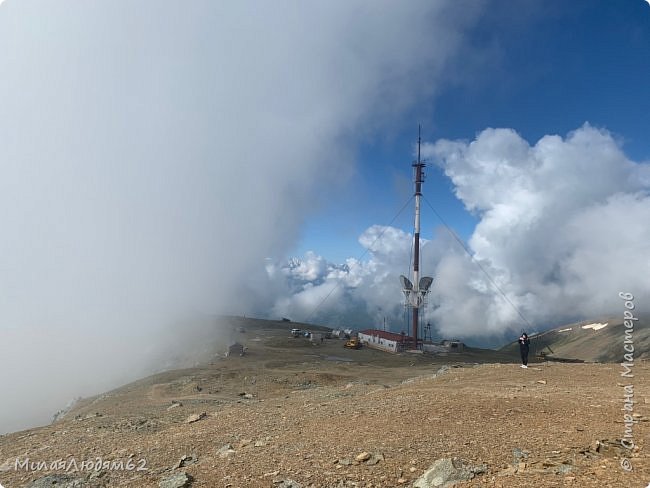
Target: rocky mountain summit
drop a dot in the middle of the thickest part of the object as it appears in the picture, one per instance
(292, 413)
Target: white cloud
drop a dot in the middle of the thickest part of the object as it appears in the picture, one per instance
(151, 158)
(559, 223)
(562, 230)
(388, 243)
(309, 269)
(357, 293)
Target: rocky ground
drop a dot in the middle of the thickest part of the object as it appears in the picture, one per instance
(293, 414)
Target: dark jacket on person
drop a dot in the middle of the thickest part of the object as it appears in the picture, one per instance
(524, 343)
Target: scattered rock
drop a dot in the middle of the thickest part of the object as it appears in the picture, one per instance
(174, 404)
(555, 467)
(95, 475)
(138, 423)
(364, 456)
(445, 472)
(519, 455)
(259, 444)
(509, 471)
(87, 416)
(226, 451)
(287, 484)
(195, 417)
(186, 461)
(375, 458)
(609, 448)
(541, 382)
(58, 481)
(441, 370)
(178, 480)
(552, 465)
(345, 462)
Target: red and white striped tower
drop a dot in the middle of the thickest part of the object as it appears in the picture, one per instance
(419, 178)
(415, 292)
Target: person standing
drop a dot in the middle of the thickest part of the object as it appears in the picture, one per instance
(524, 348)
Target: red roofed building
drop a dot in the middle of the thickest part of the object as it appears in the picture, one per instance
(386, 341)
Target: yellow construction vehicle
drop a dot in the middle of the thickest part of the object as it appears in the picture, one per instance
(353, 343)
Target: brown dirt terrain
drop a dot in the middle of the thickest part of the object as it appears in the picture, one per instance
(310, 410)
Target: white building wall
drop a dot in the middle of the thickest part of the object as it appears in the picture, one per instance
(377, 342)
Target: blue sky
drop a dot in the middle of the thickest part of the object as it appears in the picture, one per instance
(542, 68)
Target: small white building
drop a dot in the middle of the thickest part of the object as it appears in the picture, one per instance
(385, 341)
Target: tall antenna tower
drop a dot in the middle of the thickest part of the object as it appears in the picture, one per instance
(415, 293)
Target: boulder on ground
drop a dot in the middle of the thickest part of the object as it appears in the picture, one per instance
(178, 480)
(58, 481)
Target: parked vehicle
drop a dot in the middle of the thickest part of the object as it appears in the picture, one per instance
(353, 343)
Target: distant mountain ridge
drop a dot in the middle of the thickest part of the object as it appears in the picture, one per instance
(590, 342)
